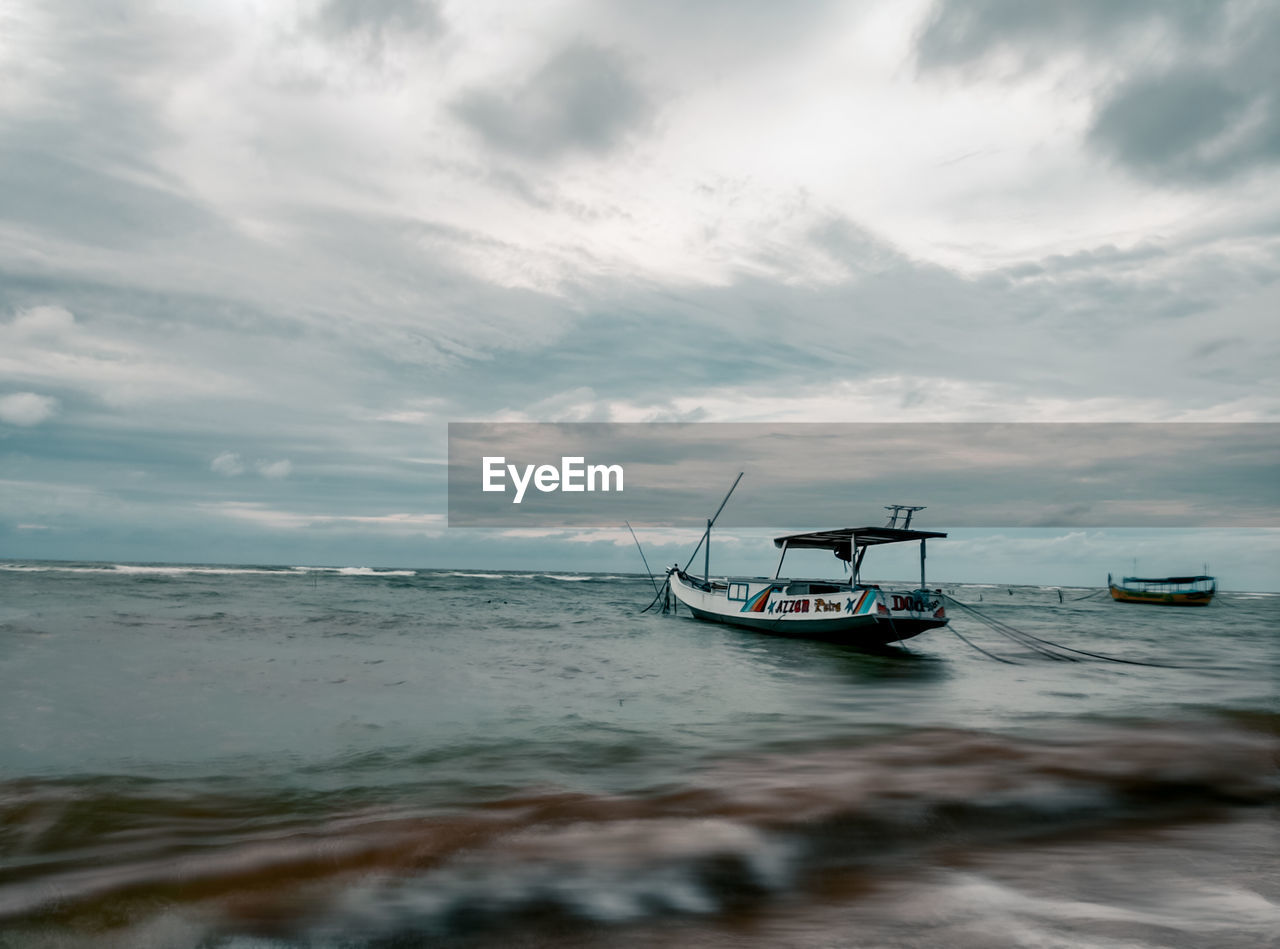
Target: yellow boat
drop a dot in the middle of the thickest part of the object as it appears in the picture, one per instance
(1164, 591)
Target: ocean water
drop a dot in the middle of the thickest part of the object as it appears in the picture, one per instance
(274, 757)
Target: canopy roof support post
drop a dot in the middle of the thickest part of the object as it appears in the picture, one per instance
(855, 562)
(781, 557)
(706, 559)
(922, 563)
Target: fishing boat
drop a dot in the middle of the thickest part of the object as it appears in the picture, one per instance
(844, 610)
(1164, 591)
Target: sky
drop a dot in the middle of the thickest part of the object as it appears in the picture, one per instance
(255, 257)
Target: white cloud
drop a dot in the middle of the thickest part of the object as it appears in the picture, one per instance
(287, 218)
(889, 398)
(653, 536)
(263, 516)
(27, 408)
(43, 321)
(275, 469)
(228, 463)
(113, 362)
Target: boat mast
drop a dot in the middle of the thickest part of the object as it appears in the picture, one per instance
(706, 536)
(706, 562)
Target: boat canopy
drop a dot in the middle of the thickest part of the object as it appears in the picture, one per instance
(838, 539)
(1163, 579)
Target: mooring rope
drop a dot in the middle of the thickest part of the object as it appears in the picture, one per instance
(1030, 641)
(666, 585)
(1013, 633)
(1087, 596)
(973, 645)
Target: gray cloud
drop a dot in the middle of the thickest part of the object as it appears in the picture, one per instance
(1186, 92)
(378, 18)
(241, 281)
(77, 155)
(1189, 124)
(582, 100)
(369, 28)
(969, 33)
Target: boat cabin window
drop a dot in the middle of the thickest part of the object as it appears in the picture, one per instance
(737, 591)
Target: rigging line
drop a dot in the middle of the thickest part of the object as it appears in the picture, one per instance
(642, 557)
(714, 518)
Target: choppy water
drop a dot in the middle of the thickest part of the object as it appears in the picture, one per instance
(264, 757)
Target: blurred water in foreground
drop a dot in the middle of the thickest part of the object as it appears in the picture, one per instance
(262, 757)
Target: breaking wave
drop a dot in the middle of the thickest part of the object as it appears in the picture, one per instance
(743, 833)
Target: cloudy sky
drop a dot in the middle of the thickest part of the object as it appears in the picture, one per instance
(254, 257)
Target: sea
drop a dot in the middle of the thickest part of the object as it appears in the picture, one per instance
(261, 757)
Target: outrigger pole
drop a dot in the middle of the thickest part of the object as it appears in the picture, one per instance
(706, 536)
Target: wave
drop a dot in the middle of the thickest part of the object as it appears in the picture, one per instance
(180, 570)
(372, 572)
(128, 569)
(595, 576)
(525, 575)
(746, 832)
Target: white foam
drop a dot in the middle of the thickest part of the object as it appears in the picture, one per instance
(128, 569)
(371, 572)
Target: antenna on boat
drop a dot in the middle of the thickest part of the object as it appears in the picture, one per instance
(644, 558)
(706, 535)
(902, 510)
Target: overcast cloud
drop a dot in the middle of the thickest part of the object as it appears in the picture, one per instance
(253, 258)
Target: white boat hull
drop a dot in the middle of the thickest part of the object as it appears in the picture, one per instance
(851, 614)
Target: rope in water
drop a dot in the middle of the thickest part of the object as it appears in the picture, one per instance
(973, 645)
(1044, 646)
(663, 595)
(1087, 596)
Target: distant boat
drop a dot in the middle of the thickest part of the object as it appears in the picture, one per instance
(1164, 591)
(845, 610)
